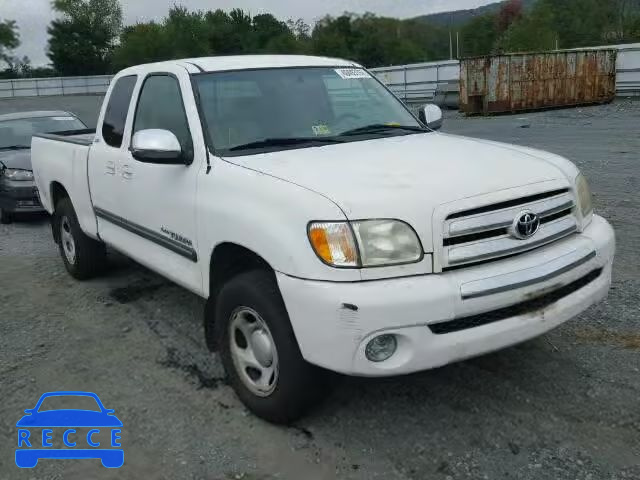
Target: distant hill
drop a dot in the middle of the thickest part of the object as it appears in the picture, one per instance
(460, 17)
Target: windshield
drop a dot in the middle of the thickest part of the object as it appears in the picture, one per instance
(18, 133)
(250, 111)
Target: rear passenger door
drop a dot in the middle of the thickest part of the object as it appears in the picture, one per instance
(106, 152)
(156, 203)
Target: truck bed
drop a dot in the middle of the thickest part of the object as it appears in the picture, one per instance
(60, 161)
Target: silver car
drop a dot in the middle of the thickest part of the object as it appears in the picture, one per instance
(18, 192)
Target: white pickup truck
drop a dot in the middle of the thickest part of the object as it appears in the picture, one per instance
(328, 227)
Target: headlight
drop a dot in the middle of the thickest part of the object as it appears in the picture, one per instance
(18, 174)
(334, 243)
(583, 193)
(366, 243)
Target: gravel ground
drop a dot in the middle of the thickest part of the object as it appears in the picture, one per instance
(563, 406)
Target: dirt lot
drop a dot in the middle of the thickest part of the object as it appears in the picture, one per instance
(564, 406)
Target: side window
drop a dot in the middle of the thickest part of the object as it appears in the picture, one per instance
(116, 115)
(160, 106)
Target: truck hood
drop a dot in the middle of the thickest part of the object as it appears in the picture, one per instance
(407, 177)
(16, 158)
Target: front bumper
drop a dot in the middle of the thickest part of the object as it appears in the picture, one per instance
(333, 322)
(19, 197)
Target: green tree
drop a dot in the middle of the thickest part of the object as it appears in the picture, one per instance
(9, 39)
(529, 34)
(632, 29)
(333, 37)
(185, 34)
(302, 33)
(376, 41)
(141, 43)
(433, 40)
(479, 36)
(383, 41)
(267, 32)
(218, 31)
(82, 39)
(300, 29)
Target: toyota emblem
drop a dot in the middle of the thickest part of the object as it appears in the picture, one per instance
(525, 225)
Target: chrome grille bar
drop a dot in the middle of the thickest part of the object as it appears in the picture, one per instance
(484, 233)
(506, 245)
(503, 218)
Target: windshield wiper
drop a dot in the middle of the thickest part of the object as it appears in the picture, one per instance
(382, 128)
(16, 147)
(285, 142)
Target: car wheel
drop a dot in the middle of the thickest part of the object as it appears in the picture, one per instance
(83, 256)
(260, 353)
(5, 217)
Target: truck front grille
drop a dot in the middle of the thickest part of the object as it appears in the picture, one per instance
(523, 308)
(482, 234)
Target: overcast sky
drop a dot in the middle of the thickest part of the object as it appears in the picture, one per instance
(33, 16)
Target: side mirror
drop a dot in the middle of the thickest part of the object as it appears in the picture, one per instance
(156, 146)
(431, 116)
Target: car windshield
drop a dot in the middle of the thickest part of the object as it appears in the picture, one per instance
(69, 402)
(252, 111)
(18, 133)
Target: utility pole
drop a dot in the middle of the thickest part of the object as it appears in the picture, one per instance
(450, 45)
(450, 36)
(458, 45)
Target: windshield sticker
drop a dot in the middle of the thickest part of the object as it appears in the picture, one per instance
(319, 130)
(351, 73)
(62, 119)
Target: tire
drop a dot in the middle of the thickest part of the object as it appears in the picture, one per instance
(83, 256)
(297, 385)
(5, 217)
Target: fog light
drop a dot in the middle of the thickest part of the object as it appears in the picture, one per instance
(381, 348)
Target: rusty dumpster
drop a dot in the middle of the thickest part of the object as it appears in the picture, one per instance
(530, 81)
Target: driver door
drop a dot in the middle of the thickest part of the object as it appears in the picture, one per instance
(156, 201)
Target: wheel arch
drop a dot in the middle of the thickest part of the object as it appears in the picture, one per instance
(57, 192)
(228, 259)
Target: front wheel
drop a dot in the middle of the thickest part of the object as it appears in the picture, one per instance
(260, 353)
(83, 256)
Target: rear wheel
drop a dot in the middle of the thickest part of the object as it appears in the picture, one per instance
(5, 216)
(259, 350)
(83, 256)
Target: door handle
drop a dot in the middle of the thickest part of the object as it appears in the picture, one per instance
(110, 167)
(127, 172)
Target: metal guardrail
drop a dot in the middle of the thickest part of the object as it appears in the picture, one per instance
(36, 87)
(416, 82)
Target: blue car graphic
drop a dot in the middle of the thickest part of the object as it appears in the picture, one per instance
(28, 456)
